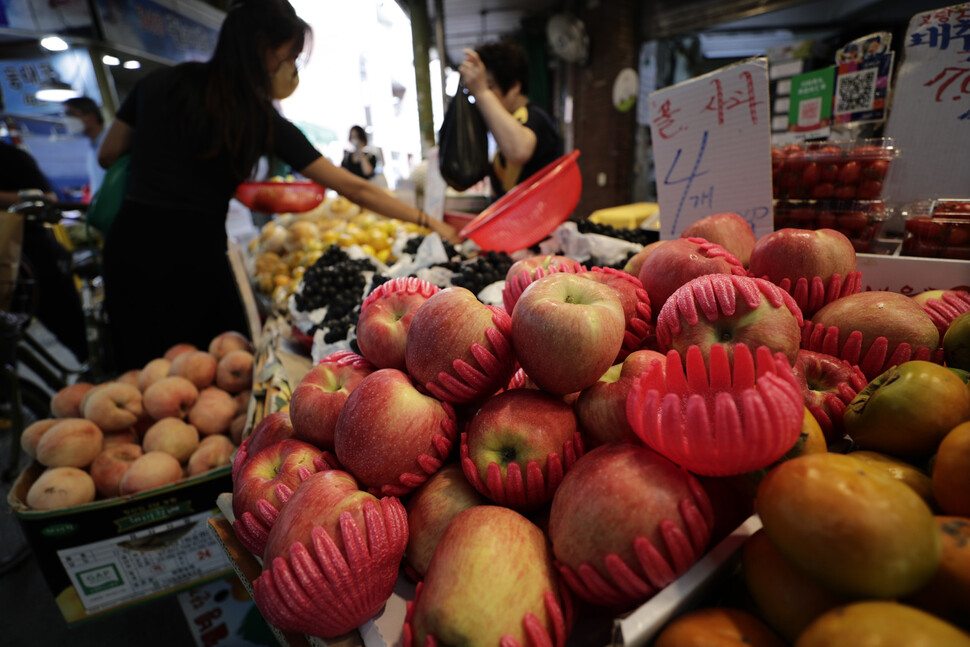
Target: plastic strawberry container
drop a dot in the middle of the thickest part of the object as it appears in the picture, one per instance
(839, 170)
(938, 228)
(280, 197)
(859, 220)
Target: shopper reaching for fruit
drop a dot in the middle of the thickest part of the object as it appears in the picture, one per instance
(195, 132)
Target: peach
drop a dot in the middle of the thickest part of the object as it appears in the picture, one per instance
(152, 372)
(129, 377)
(32, 435)
(224, 343)
(114, 407)
(129, 435)
(213, 412)
(61, 487)
(170, 397)
(242, 401)
(87, 396)
(197, 366)
(237, 428)
(173, 436)
(149, 471)
(214, 451)
(72, 442)
(234, 373)
(177, 350)
(111, 465)
(66, 403)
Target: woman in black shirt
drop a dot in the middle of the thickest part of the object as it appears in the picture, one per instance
(359, 161)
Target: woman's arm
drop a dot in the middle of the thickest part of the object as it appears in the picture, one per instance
(116, 142)
(370, 196)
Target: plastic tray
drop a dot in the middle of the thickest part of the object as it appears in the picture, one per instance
(859, 220)
(842, 170)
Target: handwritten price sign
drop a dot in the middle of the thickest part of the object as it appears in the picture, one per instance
(930, 116)
(712, 147)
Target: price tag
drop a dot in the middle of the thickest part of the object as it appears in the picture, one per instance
(930, 115)
(712, 147)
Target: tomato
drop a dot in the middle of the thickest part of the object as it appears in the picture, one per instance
(777, 158)
(850, 173)
(796, 160)
(810, 175)
(802, 216)
(824, 190)
(829, 171)
(861, 246)
(853, 221)
(826, 219)
(876, 170)
(924, 228)
(957, 235)
(869, 190)
(847, 192)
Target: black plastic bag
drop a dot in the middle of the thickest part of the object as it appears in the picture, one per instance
(463, 143)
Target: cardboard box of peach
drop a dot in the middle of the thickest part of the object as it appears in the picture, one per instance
(126, 473)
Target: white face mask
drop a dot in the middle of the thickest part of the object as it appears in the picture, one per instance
(285, 80)
(74, 125)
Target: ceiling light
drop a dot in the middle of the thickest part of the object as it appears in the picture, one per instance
(131, 65)
(53, 43)
(108, 59)
(56, 91)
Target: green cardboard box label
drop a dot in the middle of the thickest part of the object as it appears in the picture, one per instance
(810, 109)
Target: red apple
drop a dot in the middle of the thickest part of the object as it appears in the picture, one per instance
(635, 302)
(458, 348)
(676, 262)
(814, 266)
(601, 408)
(431, 508)
(524, 271)
(633, 265)
(567, 330)
(729, 230)
(110, 466)
(829, 385)
(518, 446)
(391, 436)
(318, 398)
(625, 522)
(268, 431)
(347, 547)
(385, 316)
(943, 306)
(730, 310)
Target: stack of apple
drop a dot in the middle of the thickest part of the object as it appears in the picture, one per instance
(181, 415)
(585, 442)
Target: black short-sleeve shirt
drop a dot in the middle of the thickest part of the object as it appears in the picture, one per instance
(18, 170)
(548, 149)
(168, 166)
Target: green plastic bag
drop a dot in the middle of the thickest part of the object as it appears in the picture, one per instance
(107, 201)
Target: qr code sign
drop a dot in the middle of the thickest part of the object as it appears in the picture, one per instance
(855, 91)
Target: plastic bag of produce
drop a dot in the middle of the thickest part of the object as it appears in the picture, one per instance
(107, 201)
(463, 142)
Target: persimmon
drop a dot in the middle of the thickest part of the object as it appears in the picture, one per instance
(717, 627)
(947, 595)
(951, 472)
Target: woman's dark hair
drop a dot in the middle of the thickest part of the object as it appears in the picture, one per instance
(507, 62)
(238, 89)
(361, 134)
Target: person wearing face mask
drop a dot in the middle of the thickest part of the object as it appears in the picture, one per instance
(195, 132)
(83, 117)
(359, 161)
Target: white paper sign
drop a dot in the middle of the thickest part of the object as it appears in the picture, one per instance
(930, 113)
(712, 147)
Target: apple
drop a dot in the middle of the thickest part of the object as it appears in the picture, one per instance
(173, 436)
(458, 348)
(72, 442)
(635, 302)
(152, 372)
(61, 487)
(491, 581)
(430, 510)
(943, 306)
(347, 547)
(321, 393)
(385, 316)
(814, 266)
(268, 479)
(676, 262)
(149, 471)
(633, 265)
(956, 343)
(566, 331)
(829, 384)
(872, 330)
(213, 451)
(115, 407)
(213, 411)
(178, 349)
(268, 431)
(518, 446)
(907, 410)
(30, 436)
(234, 372)
(391, 436)
(66, 403)
(227, 342)
(730, 310)
(617, 505)
(729, 230)
(601, 407)
(197, 366)
(526, 270)
(170, 397)
(110, 466)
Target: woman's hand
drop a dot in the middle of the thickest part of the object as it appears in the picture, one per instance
(473, 73)
(446, 231)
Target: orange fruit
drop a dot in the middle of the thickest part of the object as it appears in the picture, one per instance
(717, 627)
(951, 472)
